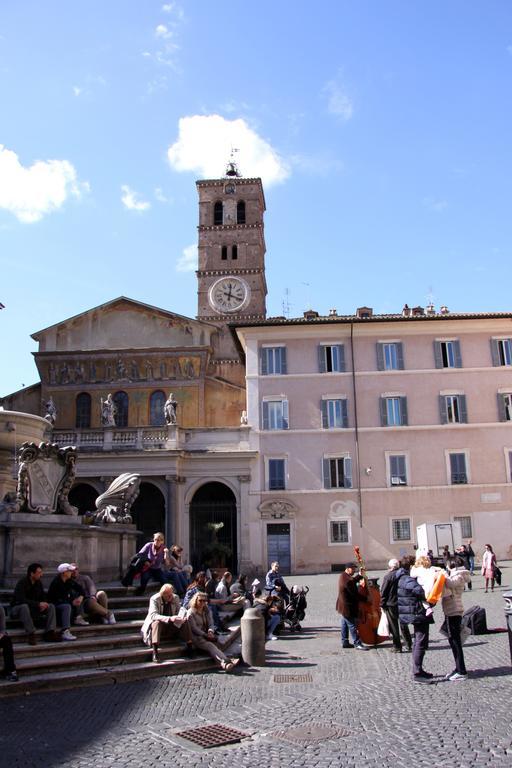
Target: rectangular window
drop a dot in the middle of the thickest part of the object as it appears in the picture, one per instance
(337, 472)
(339, 532)
(393, 411)
(276, 474)
(501, 351)
(447, 354)
(275, 414)
(397, 470)
(465, 527)
(458, 471)
(453, 409)
(334, 413)
(401, 529)
(390, 356)
(505, 406)
(273, 360)
(331, 358)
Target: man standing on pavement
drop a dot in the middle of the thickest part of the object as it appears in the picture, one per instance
(29, 604)
(349, 596)
(389, 604)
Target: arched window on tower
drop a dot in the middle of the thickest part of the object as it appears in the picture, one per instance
(218, 213)
(240, 212)
(224, 252)
(121, 402)
(83, 411)
(156, 408)
(234, 252)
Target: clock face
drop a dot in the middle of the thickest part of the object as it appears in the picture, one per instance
(229, 294)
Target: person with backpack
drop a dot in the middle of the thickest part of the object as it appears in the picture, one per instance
(411, 610)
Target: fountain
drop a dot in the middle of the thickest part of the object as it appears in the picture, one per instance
(37, 523)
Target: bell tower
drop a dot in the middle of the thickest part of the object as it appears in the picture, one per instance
(231, 259)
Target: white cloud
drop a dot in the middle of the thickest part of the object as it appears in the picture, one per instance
(163, 32)
(339, 102)
(509, 49)
(434, 204)
(76, 90)
(129, 200)
(161, 196)
(31, 193)
(204, 145)
(188, 260)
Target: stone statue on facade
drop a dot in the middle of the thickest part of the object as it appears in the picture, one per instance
(51, 411)
(243, 418)
(170, 410)
(114, 505)
(108, 412)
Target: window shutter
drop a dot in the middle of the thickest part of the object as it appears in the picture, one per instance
(443, 410)
(438, 355)
(456, 354)
(403, 411)
(383, 412)
(400, 355)
(341, 351)
(327, 472)
(285, 414)
(380, 356)
(264, 361)
(502, 414)
(321, 358)
(325, 418)
(401, 467)
(347, 472)
(283, 360)
(265, 415)
(463, 410)
(495, 352)
(344, 413)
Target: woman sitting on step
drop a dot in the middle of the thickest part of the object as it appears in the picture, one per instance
(203, 634)
(164, 621)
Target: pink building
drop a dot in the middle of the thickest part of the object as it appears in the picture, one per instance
(369, 425)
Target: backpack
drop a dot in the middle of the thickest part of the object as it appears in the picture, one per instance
(476, 620)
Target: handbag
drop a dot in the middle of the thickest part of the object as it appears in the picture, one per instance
(497, 575)
(383, 628)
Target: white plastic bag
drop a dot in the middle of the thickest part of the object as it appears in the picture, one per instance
(383, 628)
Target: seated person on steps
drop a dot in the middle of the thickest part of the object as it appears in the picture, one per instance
(30, 605)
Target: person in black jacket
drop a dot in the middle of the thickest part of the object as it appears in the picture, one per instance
(389, 604)
(412, 611)
(62, 592)
(30, 605)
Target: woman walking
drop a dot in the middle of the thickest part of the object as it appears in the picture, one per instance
(489, 567)
(453, 609)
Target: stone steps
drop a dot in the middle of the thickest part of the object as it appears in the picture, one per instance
(101, 654)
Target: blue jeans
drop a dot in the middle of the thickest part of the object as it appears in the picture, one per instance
(273, 621)
(346, 625)
(151, 573)
(63, 611)
(178, 580)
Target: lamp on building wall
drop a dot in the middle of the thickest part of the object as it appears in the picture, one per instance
(368, 470)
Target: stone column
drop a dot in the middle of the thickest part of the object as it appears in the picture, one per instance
(244, 551)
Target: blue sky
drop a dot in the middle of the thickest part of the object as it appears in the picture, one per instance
(382, 131)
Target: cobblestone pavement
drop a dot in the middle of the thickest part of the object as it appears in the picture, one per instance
(340, 707)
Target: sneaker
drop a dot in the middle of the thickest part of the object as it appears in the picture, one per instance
(12, 677)
(447, 677)
(458, 676)
(66, 635)
(227, 666)
(235, 662)
(81, 622)
(111, 618)
(360, 647)
(271, 637)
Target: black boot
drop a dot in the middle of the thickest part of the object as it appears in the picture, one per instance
(156, 658)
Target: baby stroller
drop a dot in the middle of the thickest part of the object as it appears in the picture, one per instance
(295, 611)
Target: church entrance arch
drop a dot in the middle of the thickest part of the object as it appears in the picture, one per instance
(213, 528)
(148, 512)
(83, 496)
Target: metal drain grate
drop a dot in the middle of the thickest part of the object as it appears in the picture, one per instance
(207, 736)
(307, 678)
(312, 733)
